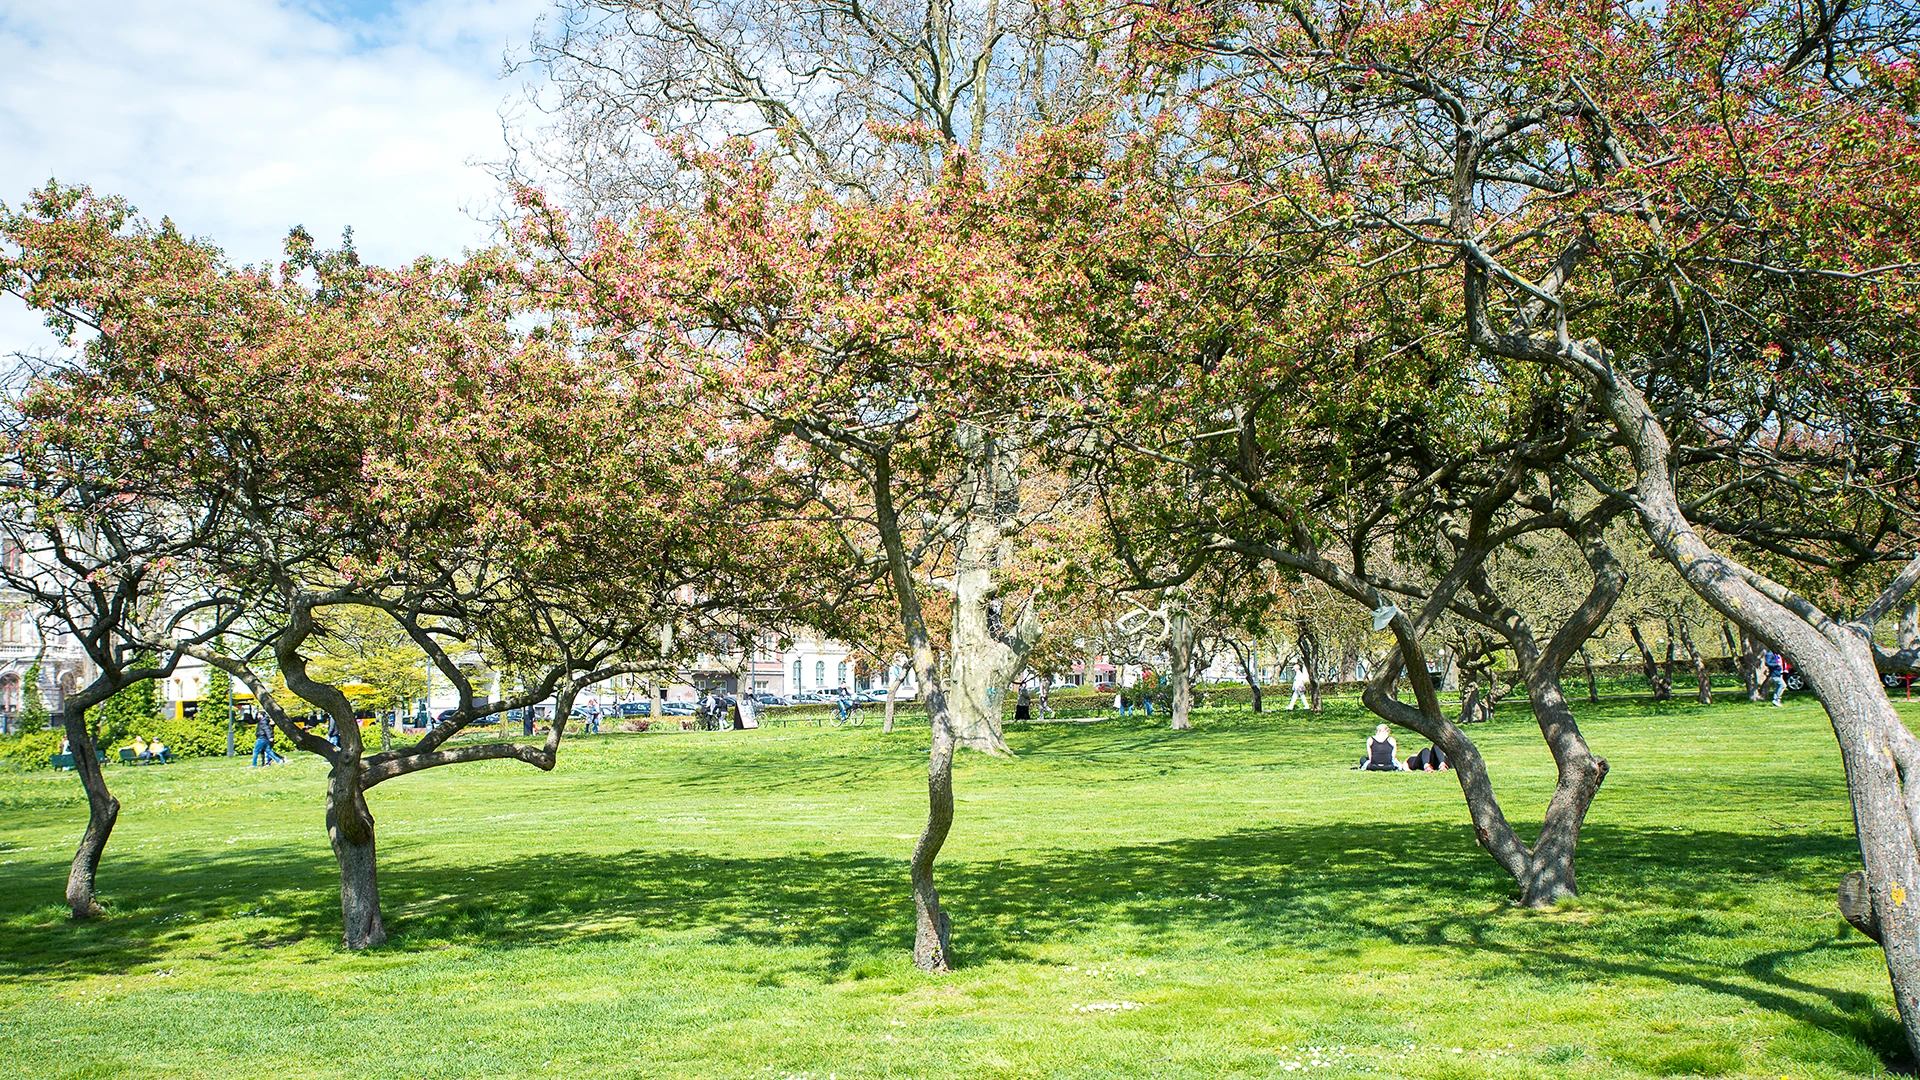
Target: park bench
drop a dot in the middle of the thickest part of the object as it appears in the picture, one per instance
(127, 757)
(65, 761)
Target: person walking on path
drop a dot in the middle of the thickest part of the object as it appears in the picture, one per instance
(1776, 670)
(263, 753)
(1299, 687)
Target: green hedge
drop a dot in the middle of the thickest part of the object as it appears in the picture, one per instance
(197, 736)
(30, 750)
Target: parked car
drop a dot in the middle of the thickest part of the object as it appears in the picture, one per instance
(446, 717)
(770, 699)
(677, 708)
(636, 708)
(1105, 687)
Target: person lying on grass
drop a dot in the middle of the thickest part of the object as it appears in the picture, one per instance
(1432, 759)
(1382, 752)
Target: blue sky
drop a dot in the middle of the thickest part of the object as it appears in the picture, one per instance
(242, 118)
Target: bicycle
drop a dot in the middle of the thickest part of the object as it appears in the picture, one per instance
(847, 713)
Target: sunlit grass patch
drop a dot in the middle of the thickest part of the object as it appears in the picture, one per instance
(1127, 901)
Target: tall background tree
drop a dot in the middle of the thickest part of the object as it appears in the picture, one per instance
(1684, 209)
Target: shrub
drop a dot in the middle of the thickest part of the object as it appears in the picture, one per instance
(30, 750)
(194, 736)
(33, 708)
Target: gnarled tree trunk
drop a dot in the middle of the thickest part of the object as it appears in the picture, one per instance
(932, 930)
(1550, 861)
(102, 811)
(1248, 657)
(350, 832)
(932, 933)
(1839, 663)
(987, 648)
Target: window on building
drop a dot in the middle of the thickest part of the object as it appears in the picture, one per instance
(819, 673)
(10, 693)
(843, 674)
(796, 675)
(13, 627)
(10, 557)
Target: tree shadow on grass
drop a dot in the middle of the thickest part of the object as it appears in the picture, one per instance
(1663, 906)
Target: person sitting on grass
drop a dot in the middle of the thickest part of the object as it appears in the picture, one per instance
(158, 751)
(1432, 759)
(1382, 752)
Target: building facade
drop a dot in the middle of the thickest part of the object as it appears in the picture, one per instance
(26, 639)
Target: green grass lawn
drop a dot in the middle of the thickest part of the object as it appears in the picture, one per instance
(1126, 901)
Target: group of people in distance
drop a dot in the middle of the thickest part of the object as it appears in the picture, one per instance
(718, 709)
(263, 752)
(1383, 755)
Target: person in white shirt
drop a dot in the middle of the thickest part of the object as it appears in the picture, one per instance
(1299, 687)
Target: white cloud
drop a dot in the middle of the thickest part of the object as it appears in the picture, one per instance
(242, 118)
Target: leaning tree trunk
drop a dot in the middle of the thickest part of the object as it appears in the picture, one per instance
(1250, 667)
(932, 930)
(1662, 688)
(1878, 750)
(1700, 676)
(932, 933)
(1593, 688)
(1180, 660)
(102, 811)
(1490, 827)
